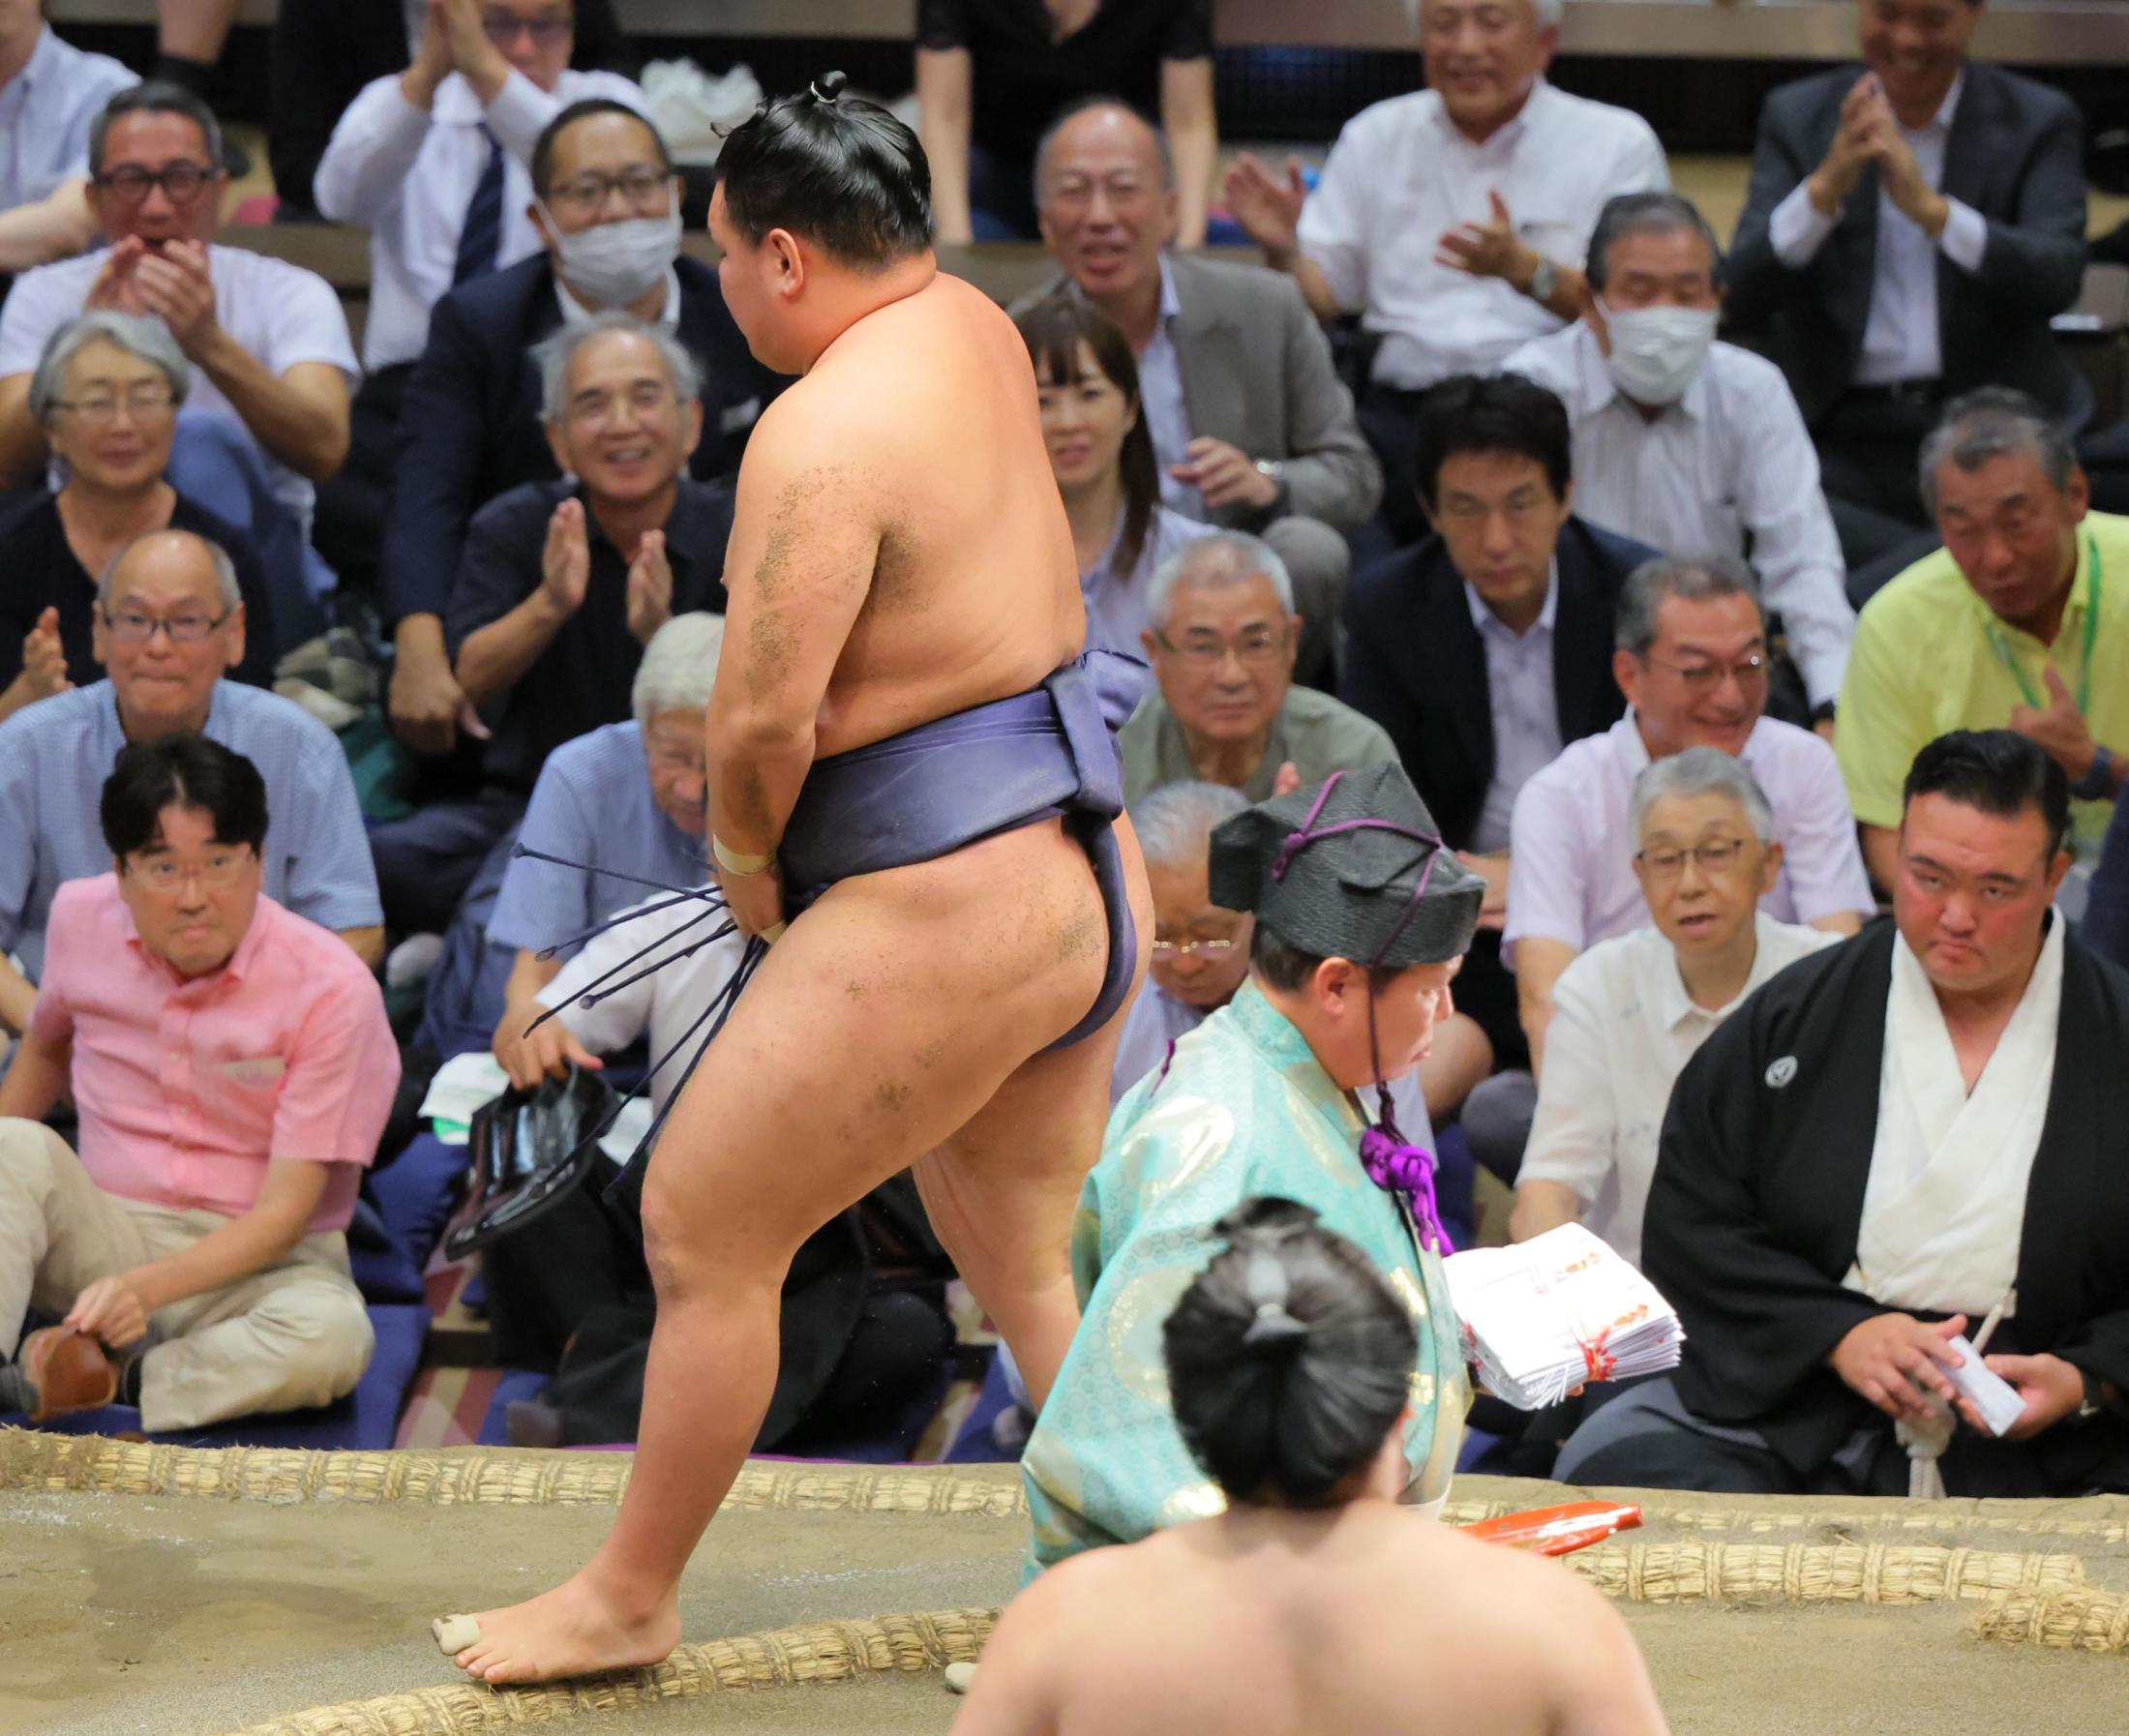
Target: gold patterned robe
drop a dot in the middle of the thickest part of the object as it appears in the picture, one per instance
(1243, 1110)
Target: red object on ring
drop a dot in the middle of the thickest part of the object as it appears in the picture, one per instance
(1558, 1529)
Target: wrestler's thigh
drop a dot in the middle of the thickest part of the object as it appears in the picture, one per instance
(1013, 1171)
(886, 1016)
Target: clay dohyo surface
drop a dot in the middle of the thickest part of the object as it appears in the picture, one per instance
(157, 1613)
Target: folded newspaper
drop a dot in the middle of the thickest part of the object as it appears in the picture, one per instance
(1555, 1312)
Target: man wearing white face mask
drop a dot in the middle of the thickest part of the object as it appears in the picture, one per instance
(432, 161)
(1690, 444)
(605, 204)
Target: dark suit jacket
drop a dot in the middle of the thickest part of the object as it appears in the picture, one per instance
(1757, 1201)
(1257, 373)
(1416, 665)
(324, 51)
(469, 426)
(2015, 155)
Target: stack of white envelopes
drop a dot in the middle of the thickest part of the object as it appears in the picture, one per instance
(1556, 1312)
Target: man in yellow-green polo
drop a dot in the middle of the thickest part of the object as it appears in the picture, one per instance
(2020, 621)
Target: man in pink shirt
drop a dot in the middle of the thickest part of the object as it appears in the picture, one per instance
(232, 1068)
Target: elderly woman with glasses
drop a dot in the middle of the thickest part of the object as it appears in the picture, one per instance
(106, 394)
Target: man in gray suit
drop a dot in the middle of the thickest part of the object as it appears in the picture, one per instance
(1253, 430)
(1912, 226)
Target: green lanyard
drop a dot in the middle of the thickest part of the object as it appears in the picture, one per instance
(2091, 634)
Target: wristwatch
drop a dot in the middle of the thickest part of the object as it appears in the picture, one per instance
(2098, 782)
(2095, 1396)
(1274, 471)
(1542, 282)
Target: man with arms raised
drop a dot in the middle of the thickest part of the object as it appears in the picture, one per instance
(900, 555)
(1886, 1145)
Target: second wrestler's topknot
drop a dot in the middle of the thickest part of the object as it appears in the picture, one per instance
(835, 170)
(1289, 1359)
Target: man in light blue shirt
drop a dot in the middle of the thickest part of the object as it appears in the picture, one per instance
(50, 93)
(168, 624)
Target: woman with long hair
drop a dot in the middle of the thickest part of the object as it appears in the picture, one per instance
(1101, 453)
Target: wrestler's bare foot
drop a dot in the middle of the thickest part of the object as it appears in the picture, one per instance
(574, 1630)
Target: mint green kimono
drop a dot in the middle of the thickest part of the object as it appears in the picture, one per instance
(1243, 1110)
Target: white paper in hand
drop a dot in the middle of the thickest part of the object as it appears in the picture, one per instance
(1552, 1313)
(1987, 1392)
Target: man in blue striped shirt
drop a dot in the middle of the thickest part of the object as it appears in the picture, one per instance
(168, 624)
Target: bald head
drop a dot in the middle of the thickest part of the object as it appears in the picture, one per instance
(169, 622)
(1106, 195)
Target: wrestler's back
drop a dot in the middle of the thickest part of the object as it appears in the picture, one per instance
(975, 591)
(1371, 1621)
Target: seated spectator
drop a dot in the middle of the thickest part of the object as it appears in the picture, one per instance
(1914, 224)
(324, 53)
(232, 1068)
(107, 393)
(470, 428)
(1894, 1140)
(1200, 956)
(1452, 220)
(1691, 660)
(622, 804)
(1688, 443)
(1101, 452)
(1361, 928)
(991, 72)
(268, 340)
(1290, 1592)
(1485, 649)
(2020, 628)
(432, 161)
(1222, 643)
(1630, 1012)
(1251, 427)
(562, 585)
(169, 621)
(50, 92)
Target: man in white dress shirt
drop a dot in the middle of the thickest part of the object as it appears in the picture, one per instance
(50, 93)
(1690, 444)
(1452, 220)
(267, 340)
(432, 161)
(1629, 1014)
(1690, 656)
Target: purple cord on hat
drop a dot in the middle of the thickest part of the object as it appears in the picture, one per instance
(1391, 1160)
(1406, 1169)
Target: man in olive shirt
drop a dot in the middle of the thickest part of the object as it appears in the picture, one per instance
(1222, 643)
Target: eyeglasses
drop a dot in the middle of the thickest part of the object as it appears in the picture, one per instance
(1183, 948)
(1255, 647)
(595, 409)
(216, 868)
(1703, 678)
(1715, 855)
(503, 28)
(181, 182)
(141, 401)
(646, 189)
(130, 627)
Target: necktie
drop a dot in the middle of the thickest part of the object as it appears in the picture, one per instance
(482, 235)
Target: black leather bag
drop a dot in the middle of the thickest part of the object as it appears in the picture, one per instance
(531, 1152)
